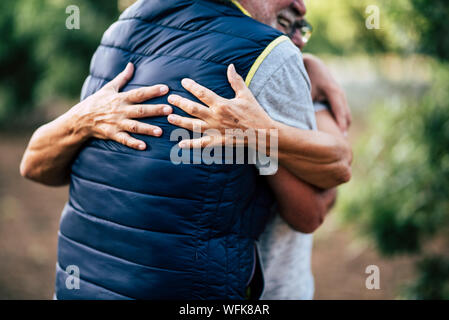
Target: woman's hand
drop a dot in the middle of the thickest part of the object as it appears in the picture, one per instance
(325, 88)
(317, 158)
(109, 114)
(241, 113)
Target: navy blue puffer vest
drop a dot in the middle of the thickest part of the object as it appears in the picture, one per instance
(136, 225)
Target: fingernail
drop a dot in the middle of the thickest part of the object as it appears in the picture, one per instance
(232, 67)
(186, 82)
(157, 131)
(171, 118)
(129, 65)
(164, 89)
(142, 146)
(167, 110)
(172, 99)
(345, 133)
(182, 144)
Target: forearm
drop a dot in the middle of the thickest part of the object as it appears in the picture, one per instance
(318, 158)
(51, 150)
(303, 206)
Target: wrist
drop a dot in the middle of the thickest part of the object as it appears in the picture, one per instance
(77, 124)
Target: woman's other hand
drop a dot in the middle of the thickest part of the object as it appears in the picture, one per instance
(109, 114)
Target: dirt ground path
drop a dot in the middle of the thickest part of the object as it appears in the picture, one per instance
(29, 217)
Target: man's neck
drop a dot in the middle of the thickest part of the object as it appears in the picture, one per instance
(259, 10)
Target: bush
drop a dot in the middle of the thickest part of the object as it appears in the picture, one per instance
(39, 56)
(402, 184)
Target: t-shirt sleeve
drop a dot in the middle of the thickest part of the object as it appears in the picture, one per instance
(282, 87)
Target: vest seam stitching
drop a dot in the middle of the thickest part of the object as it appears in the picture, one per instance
(61, 234)
(191, 30)
(92, 75)
(226, 243)
(131, 191)
(85, 213)
(206, 270)
(158, 54)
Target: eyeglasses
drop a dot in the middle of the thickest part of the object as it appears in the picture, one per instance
(302, 26)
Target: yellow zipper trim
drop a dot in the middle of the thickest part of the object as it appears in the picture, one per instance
(238, 5)
(263, 56)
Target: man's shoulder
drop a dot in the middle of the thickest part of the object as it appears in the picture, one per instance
(282, 52)
(283, 57)
(282, 87)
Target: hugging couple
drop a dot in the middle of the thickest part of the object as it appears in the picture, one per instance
(139, 226)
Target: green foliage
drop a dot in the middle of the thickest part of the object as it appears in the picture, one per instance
(401, 179)
(432, 26)
(406, 26)
(433, 280)
(39, 56)
(340, 28)
(399, 196)
(19, 69)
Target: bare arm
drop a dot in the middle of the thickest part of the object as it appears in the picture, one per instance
(302, 205)
(318, 158)
(107, 114)
(325, 88)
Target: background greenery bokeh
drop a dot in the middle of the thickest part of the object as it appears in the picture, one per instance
(398, 197)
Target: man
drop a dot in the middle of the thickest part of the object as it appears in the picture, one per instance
(286, 254)
(198, 223)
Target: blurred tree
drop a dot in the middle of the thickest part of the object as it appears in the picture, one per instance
(427, 21)
(42, 58)
(406, 26)
(19, 70)
(434, 31)
(65, 53)
(402, 201)
(340, 28)
(401, 169)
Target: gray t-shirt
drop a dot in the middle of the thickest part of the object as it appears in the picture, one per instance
(281, 85)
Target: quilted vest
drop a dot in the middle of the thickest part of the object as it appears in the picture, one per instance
(137, 225)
